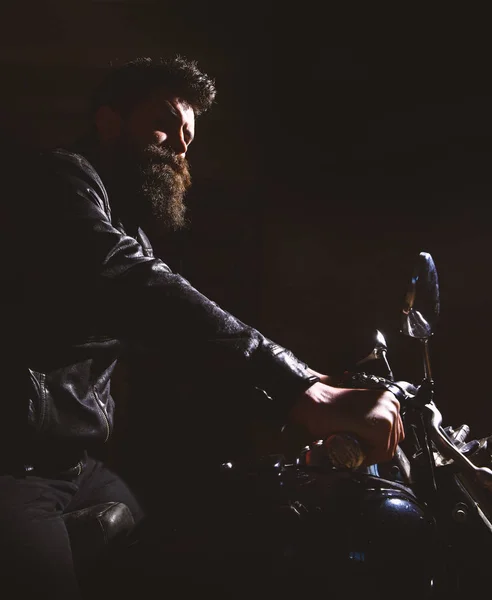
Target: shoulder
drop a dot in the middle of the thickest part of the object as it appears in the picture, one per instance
(65, 162)
(64, 167)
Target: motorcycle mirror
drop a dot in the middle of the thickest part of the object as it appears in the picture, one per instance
(421, 306)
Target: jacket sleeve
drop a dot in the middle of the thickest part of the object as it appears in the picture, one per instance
(89, 268)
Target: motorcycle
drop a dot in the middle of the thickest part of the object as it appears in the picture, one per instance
(320, 521)
(419, 525)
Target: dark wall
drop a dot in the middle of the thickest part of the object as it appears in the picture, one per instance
(342, 144)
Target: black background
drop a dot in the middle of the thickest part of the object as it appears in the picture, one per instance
(343, 142)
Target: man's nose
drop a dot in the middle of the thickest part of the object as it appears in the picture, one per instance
(175, 141)
(178, 143)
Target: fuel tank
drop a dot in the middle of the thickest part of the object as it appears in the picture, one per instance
(296, 525)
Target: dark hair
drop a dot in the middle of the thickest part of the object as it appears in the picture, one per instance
(129, 84)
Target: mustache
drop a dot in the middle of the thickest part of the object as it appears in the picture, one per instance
(154, 155)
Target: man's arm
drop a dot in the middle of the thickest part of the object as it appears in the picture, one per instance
(92, 271)
(96, 283)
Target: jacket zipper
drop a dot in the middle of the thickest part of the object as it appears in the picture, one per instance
(102, 411)
(39, 389)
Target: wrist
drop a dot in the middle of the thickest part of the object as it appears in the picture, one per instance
(326, 379)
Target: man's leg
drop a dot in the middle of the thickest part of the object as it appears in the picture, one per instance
(35, 552)
(111, 570)
(98, 484)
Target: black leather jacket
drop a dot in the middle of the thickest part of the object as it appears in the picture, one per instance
(91, 291)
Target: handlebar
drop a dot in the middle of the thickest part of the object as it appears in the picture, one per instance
(344, 450)
(482, 474)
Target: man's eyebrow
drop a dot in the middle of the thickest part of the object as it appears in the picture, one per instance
(175, 113)
(172, 109)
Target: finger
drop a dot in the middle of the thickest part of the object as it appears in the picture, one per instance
(397, 427)
(394, 438)
(397, 439)
(391, 433)
(400, 430)
(395, 433)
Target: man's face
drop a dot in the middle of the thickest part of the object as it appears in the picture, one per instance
(150, 155)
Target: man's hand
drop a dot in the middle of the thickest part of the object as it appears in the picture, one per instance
(373, 416)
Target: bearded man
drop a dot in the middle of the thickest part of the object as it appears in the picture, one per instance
(92, 288)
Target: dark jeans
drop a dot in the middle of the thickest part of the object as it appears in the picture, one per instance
(35, 551)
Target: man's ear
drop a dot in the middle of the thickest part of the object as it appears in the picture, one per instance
(108, 123)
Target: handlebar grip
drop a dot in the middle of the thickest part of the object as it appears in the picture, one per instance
(344, 451)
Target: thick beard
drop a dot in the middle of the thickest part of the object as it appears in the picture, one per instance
(154, 182)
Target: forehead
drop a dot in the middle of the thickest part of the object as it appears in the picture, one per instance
(163, 104)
